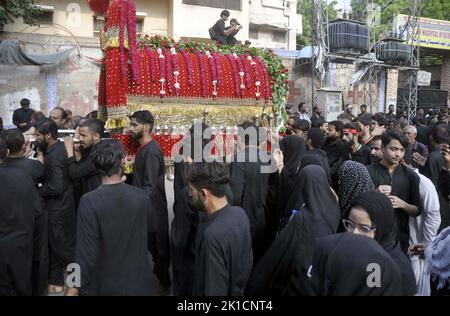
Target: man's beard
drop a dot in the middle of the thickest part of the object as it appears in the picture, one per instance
(199, 205)
(375, 158)
(349, 143)
(288, 131)
(138, 135)
(43, 146)
(331, 139)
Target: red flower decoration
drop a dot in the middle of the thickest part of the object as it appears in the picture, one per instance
(131, 18)
(216, 57)
(235, 74)
(99, 6)
(169, 71)
(202, 72)
(187, 60)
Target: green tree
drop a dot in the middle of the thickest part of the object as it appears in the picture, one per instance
(13, 9)
(434, 9)
(304, 7)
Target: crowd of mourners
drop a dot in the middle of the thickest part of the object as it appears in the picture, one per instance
(355, 206)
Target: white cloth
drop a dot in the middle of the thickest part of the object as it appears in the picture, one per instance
(423, 229)
(304, 116)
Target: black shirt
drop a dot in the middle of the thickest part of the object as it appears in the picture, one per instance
(316, 120)
(29, 166)
(21, 116)
(362, 155)
(224, 258)
(18, 208)
(249, 185)
(421, 149)
(114, 222)
(85, 171)
(422, 134)
(434, 165)
(405, 185)
(57, 188)
(444, 198)
(219, 28)
(57, 193)
(149, 175)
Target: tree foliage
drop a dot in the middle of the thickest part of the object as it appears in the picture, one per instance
(13, 9)
(434, 9)
(304, 7)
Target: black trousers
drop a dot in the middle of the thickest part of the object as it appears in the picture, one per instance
(61, 239)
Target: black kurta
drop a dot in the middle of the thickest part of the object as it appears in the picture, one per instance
(249, 186)
(316, 120)
(179, 179)
(149, 175)
(21, 116)
(29, 166)
(35, 170)
(444, 198)
(58, 195)
(422, 134)
(434, 165)
(405, 185)
(85, 172)
(19, 205)
(183, 233)
(223, 256)
(184, 229)
(114, 223)
(362, 155)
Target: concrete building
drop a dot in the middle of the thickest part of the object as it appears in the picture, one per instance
(274, 23)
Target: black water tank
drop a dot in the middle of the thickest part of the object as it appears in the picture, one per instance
(348, 37)
(394, 52)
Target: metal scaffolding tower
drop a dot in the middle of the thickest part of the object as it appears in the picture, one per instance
(319, 44)
(321, 57)
(413, 38)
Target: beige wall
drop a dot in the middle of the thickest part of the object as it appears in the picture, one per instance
(155, 22)
(266, 39)
(194, 21)
(79, 25)
(157, 19)
(391, 88)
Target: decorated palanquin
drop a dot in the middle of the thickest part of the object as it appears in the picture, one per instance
(182, 81)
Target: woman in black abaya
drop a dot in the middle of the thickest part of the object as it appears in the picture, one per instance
(371, 214)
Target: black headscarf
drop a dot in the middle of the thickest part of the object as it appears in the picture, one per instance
(293, 148)
(341, 267)
(283, 270)
(382, 215)
(354, 179)
(319, 158)
(319, 200)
